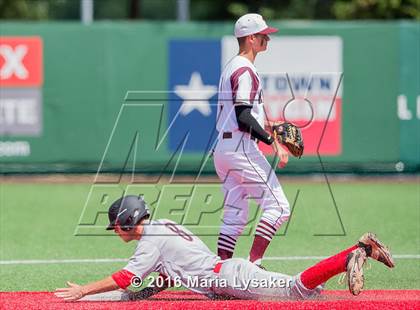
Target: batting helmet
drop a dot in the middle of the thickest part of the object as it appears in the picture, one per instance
(127, 212)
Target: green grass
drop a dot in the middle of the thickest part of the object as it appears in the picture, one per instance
(38, 221)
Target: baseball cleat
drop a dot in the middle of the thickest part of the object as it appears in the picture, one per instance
(376, 249)
(354, 266)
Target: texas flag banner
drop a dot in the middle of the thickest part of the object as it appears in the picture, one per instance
(194, 72)
(302, 83)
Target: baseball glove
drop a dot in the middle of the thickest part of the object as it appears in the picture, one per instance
(290, 136)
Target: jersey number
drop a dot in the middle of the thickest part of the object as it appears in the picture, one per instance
(179, 231)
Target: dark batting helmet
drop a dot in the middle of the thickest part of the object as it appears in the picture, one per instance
(127, 212)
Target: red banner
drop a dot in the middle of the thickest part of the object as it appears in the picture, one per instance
(21, 62)
(321, 136)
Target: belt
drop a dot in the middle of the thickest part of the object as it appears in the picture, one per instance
(217, 268)
(228, 135)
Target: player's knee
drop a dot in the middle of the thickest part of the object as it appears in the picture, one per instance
(276, 216)
(285, 210)
(233, 230)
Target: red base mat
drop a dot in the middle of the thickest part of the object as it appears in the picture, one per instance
(373, 299)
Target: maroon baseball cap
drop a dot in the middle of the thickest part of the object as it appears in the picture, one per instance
(268, 30)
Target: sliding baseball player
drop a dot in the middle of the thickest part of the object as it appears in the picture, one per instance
(181, 258)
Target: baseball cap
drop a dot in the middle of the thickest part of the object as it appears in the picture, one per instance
(251, 24)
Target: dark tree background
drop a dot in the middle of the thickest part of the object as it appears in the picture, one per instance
(213, 10)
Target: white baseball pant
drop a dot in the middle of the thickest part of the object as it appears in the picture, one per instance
(246, 174)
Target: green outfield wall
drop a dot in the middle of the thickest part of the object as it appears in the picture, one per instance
(101, 101)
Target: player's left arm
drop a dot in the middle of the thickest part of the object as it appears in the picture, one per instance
(248, 123)
(74, 291)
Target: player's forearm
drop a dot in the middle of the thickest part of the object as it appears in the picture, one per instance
(248, 123)
(105, 285)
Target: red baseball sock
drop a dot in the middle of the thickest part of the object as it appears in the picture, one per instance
(224, 254)
(263, 235)
(325, 269)
(258, 248)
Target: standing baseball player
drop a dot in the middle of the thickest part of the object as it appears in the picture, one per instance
(242, 168)
(180, 257)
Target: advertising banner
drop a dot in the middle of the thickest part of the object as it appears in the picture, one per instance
(21, 80)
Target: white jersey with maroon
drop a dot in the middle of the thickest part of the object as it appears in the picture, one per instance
(239, 84)
(242, 168)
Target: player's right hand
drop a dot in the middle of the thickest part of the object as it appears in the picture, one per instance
(281, 153)
(71, 293)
